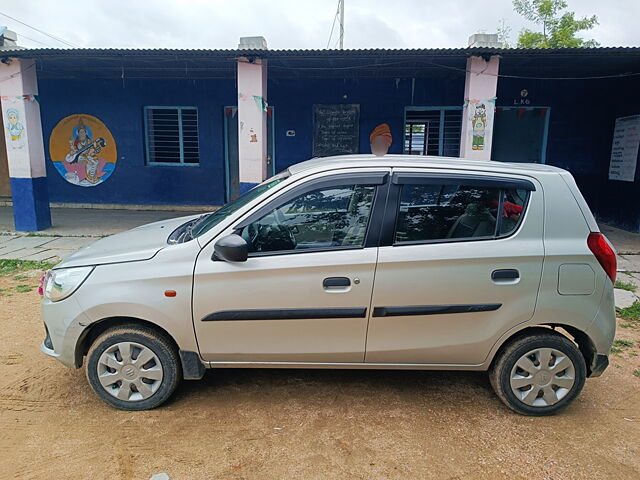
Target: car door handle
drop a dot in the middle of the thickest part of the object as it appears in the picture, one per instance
(336, 282)
(505, 274)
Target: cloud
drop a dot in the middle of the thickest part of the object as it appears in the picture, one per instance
(368, 30)
(292, 24)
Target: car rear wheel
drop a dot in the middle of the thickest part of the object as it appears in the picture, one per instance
(133, 368)
(538, 374)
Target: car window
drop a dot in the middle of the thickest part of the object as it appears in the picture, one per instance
(209, 221)
(513, 203)
(432, 212)
(328, 217)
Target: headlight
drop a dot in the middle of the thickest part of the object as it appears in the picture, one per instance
(61, 283)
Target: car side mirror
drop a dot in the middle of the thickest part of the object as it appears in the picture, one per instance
(231, 248)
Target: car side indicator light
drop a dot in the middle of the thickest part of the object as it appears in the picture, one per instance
(170, 293)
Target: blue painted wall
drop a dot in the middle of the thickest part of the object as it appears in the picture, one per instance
(119, 104)
(382, 100)
(582, 121)
(581, 127)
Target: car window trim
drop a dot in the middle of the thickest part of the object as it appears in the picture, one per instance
(398, 179)
(507, 183)
(499, 215)
(305, 250)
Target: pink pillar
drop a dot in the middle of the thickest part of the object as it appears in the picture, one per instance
(252, 122)
(479, 107)
(25, 148)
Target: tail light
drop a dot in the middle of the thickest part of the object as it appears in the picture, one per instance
(602, 250)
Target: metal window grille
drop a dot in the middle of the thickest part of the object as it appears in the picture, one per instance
(433, 131)
(172, 135)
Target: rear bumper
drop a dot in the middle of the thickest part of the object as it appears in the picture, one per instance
(598, 365)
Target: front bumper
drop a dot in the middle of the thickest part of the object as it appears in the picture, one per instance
(64, 322)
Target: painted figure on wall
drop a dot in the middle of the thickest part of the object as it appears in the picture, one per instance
(90, 155)
(15, 128)
(479, 125)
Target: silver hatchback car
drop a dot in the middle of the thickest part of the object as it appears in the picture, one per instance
(395, 262)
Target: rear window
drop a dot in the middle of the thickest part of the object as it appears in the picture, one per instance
(432, 212)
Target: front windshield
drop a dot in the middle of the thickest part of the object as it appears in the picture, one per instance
(211, 220)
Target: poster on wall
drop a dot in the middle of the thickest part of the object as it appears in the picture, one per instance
(83, 150)
(481, 114)
(16, 137)
(624, 150)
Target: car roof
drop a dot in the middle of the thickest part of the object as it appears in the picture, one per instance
(419, 161)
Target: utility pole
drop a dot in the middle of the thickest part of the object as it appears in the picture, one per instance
(341, 8)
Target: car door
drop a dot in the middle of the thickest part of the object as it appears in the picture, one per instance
(459, 264)
(304, 293)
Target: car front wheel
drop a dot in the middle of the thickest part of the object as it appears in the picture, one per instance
(133, 368)
(538, 374)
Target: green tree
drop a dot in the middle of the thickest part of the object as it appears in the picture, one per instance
(559, 27)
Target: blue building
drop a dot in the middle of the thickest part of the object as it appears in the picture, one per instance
(171, 122)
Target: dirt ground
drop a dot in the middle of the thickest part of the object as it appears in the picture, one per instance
(294, 424)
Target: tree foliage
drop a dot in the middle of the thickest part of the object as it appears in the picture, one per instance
(559, 27)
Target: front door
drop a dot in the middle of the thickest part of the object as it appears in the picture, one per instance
(304, 293)
(457, 267)
(231, 150)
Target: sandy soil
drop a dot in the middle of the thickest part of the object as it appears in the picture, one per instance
(246, 424)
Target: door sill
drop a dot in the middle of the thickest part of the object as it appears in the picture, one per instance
(349, 365)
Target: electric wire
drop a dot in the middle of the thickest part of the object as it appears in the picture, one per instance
(462, 70)
(416, 63)
(335, 17)
(22, 35)
(61, 40)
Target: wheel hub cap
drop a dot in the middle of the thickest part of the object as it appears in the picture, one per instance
(542, 377)
(130, 371)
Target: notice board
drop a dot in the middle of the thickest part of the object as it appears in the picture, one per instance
(335, 129)
(624, 150)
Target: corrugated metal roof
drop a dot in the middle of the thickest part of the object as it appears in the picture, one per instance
(371, 52)
(439, 62)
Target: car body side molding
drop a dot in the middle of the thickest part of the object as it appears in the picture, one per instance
(433, 309)
(286, 314)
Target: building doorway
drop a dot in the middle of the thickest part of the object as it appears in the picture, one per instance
(5, 185)
(520, 134)
(232, 167)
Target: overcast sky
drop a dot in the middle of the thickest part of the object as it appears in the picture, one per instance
(291, 23)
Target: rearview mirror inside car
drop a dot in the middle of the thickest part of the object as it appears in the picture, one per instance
(231, 248)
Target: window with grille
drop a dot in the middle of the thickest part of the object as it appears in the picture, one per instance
(433, 131)
(172, 135)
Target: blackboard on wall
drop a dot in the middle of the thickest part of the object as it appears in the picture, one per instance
(335, 129)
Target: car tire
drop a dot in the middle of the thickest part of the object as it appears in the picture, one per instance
(538, 374)
(132, 367)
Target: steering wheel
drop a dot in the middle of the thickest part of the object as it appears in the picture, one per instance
(275, 237)
(252, 234)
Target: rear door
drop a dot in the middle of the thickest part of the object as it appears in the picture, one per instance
(459, 264)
